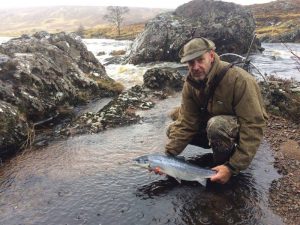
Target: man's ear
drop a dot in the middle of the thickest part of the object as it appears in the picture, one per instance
(212, 55)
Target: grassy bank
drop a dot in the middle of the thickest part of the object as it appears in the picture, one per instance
(128, 32)
(276, 18)
(276, 24)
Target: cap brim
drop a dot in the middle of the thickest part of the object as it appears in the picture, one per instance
(192, 56)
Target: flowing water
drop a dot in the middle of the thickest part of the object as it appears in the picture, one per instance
(89, 179)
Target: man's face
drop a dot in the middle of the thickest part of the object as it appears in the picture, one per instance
(200, 67)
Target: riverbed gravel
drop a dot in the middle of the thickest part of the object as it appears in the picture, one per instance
(284, 138)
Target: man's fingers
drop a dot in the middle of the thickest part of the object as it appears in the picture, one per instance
(222, 176)
(216, 168)
(156, 170)
(215, 178)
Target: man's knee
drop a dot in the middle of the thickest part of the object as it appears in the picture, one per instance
(222, 126)
(222, 132)
(174, 114)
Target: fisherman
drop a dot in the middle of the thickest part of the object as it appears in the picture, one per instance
(221, 108)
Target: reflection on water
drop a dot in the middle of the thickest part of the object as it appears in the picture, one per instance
(90, 179)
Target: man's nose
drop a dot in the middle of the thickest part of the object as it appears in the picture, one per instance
(196, 66)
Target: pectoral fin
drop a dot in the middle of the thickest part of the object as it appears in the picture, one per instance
(203, 181)
(180, 157)
(179, 181)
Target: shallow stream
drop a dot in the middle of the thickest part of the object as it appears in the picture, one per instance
(90, 179)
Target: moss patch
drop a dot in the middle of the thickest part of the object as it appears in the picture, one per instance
(110, 85)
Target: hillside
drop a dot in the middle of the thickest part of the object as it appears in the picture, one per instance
(14, 22)
(278, 20)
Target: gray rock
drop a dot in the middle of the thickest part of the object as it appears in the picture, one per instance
(13, 128)
(229, 25)
(101, 53)
(158, 83)
(41, 73)
(281, 99)
(163, 78)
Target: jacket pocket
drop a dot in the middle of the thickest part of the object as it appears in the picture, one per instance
(218, 106)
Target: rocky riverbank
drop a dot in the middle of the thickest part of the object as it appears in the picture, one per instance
(284, 138)
(122, 110)
(40, 77)
(282, 98)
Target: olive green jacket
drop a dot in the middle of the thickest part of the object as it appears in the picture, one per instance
(237, 94)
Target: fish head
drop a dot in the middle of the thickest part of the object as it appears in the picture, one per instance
(142, 161)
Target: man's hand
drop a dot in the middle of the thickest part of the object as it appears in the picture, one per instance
(223, 174)
(156, 170)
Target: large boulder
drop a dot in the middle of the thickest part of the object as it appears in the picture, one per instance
(229, 25)
(163, 79)
(13, 128)
(39, 74)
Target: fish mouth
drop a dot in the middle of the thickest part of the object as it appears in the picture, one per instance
(141, 161)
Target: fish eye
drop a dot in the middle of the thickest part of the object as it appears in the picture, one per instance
(142, 160)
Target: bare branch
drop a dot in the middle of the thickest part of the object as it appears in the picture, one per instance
(115, 15)
(292, 52)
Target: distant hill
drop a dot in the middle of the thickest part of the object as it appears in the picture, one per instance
(14, 22)
(278, 20)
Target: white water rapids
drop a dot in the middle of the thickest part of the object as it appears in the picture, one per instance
(275, 60)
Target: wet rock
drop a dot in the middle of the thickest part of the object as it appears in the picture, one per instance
(281, 97)
(158, 83)
(117, 52)
(168, 32)
(119, 112)
(13, 128)
(163, 79)
(114, 60)
(100, 53)
(42, 73)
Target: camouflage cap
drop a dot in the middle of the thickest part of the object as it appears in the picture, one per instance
(195, 48)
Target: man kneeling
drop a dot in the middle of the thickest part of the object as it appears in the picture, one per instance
(221, 108)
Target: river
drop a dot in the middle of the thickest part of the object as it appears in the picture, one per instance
(90, 179)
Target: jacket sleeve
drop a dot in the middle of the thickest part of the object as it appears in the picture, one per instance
(249, 109)
(187, 124)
